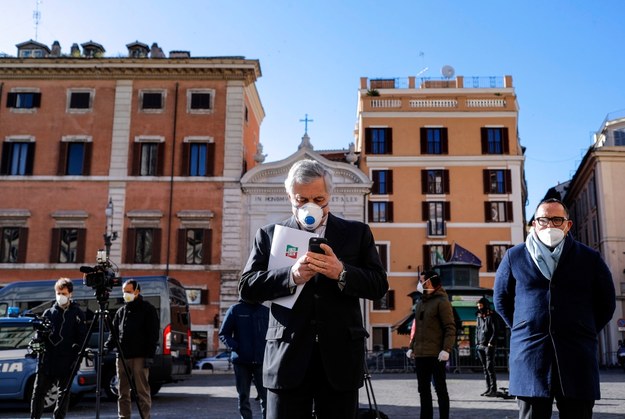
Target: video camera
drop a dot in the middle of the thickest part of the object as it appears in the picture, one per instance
(101, 277)
(43, 327)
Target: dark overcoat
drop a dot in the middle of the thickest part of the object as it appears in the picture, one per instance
(322, 309)
(554, 323)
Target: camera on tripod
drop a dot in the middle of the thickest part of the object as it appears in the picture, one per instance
(43, 327)
(102, 276)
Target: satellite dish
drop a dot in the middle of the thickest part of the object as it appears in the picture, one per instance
(448, 71)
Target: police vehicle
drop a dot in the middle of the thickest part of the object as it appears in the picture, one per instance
(18, 365)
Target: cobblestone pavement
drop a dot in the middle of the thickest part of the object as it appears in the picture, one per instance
(208, 395)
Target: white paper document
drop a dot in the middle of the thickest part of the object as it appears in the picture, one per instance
(288, 245)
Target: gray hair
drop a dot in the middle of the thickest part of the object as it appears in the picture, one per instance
(304, 172)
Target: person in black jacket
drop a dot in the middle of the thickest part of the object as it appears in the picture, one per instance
(315, 350)
(61, 346)
(485, 337)
(243, 330)
(136, 325)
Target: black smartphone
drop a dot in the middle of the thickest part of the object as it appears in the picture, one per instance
(314, 244)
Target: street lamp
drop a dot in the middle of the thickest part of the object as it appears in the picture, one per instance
(109, 234)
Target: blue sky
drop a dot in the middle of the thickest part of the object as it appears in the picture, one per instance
(566, 57)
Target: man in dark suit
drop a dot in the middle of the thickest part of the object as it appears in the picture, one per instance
(314, 357)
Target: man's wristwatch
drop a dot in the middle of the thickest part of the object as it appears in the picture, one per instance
(342, 276)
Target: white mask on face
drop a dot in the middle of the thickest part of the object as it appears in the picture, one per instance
(129, 297)
(309, 215)
(551, 237)
(420, 287)
(62, 299)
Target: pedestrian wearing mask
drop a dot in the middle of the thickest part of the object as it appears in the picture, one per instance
(485, 339)
(556, 295)
(432, 343)
(136, 325)
(61, 346)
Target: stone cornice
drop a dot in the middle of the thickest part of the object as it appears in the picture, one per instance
(125, 68)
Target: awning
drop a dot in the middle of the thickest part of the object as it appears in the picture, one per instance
(403, 326)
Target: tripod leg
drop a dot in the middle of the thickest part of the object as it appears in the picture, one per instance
(122, 360)
(64, 392)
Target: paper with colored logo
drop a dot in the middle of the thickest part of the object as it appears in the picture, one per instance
(288, 245)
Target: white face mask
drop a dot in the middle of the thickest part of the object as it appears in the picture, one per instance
(551, 237)
(309, 215)
(129, 297)
(420, 287)
(62, 299)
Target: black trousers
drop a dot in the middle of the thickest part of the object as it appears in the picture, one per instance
(431, 371)
(43, 383)
(486, 355)
(314, 394)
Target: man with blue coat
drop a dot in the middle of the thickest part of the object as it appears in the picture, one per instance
(556, 295)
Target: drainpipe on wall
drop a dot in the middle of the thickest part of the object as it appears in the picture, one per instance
(171, 181)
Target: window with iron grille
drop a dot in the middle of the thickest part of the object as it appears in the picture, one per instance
(151, 100)
(80, 100)
(194, 246)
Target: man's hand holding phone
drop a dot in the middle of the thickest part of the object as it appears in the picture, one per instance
(321, 258)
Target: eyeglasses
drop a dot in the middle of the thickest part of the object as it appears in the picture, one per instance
(555, 221)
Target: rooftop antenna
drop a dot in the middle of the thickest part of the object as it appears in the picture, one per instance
(37, 18)
(425, 68)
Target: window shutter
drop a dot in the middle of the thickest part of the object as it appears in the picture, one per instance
(6, 155)
(23, 245)
(487, 215)
(446, 181)
(161, 159)
(508, 177)
(389, 212)
(86, 165)
(424, 140)
(509, 215)
(444, 141)
(424, 182)
(207, 247)
(426, 257)
(11, 100)
(425, 211)
(375, 177)
(30, 159)
(131, 237)
(370, 211)
(135, 170)
(389, 182)
(181, 254)
(156, 246)
(185, 167)
(489, 258)
(82, 239)
(62, 168)
(447, 210)
(391, 300)
(55, 246)
(486, 180)
(447, 251)
(210, 159)
(505, 140)
(484, 135)
(388, 137)
(36, 100)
